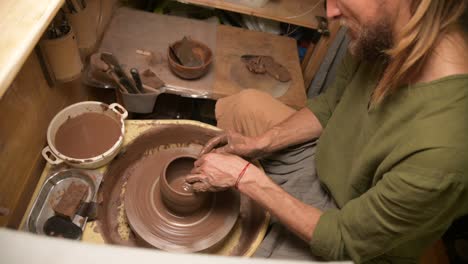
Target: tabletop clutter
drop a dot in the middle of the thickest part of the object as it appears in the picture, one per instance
(187, 59)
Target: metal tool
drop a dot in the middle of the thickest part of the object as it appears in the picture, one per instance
(136, 77)
(120, 75)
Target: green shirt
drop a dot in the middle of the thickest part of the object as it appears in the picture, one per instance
(398, 171)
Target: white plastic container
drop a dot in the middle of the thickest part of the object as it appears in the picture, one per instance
(114, 111)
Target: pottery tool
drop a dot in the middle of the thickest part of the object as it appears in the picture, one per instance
(117, 73)
(136, 77)
(58, 226)
(187, 53)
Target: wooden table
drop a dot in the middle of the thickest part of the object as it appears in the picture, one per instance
(131, 30)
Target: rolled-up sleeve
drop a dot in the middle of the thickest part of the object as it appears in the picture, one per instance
(324, 104)
(407, 204)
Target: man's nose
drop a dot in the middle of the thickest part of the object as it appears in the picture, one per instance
(332, 9)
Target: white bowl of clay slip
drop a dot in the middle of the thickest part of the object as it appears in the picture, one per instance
(86, 135)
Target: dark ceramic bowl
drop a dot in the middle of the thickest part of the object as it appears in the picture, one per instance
(176, 194)
(186, 72)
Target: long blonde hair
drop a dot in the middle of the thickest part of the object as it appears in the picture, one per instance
(430, 19)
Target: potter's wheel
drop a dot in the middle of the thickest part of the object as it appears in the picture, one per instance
(149, 137)
(159, 226)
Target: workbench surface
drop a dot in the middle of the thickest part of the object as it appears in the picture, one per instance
(131, 31)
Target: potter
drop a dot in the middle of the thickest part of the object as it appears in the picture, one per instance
(389, 172)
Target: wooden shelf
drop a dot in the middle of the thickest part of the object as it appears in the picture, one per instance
(297, 12)
(23, 23)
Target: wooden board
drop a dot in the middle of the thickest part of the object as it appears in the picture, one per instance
(233, 42)
(22, 24)
(297, 12)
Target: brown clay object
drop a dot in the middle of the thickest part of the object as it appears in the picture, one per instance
(266, 64)
(188, 53)
(71, 199)
(149, 78)
(87, 135)
(99, 70)
(195, 56)
(256, 65)
(276, 70)
(161, 141)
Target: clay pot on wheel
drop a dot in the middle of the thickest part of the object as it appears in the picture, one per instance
(177, 194)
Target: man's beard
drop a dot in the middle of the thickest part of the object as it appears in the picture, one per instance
(369, 43)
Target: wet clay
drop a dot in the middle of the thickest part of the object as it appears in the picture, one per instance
(87, 135)
(266, 64)
(162, 141)
(175, 174)
(176, 193)
(71, 199)
(176, 227)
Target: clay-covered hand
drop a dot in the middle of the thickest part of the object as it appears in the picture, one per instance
(215, 172)
(237, 144)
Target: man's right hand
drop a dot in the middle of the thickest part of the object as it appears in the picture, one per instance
(237, 144)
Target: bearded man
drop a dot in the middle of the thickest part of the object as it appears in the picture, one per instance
(389, 171)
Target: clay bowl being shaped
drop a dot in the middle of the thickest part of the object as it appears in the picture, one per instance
(176, 193)
(164, 215)
(200, 51)
(85, 135)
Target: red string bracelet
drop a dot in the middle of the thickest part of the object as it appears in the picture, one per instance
(241, 174)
